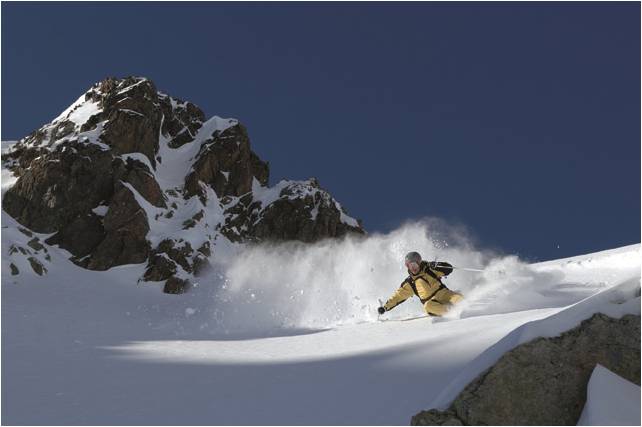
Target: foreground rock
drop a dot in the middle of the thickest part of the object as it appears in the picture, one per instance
(544, 382)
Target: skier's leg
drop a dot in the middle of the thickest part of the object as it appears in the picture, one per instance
(442, 301)
(455, 297)
(446, 296)
(435, 308)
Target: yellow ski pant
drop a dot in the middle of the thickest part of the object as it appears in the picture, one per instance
(439, 304)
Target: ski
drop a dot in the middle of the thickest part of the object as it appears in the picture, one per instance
(407, 319)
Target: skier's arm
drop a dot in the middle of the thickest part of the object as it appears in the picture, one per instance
(401, 294)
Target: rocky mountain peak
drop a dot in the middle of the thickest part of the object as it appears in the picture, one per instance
(128, 174)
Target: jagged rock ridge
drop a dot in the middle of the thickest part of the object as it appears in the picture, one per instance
(128, 174)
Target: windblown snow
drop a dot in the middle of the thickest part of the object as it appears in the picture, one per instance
(281, 334)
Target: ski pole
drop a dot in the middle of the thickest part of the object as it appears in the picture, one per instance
(461, 268)
(500, 272)
(468, 269)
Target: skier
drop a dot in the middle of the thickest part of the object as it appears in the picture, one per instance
(424, 280)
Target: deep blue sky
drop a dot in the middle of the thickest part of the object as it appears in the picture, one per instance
(520, 121)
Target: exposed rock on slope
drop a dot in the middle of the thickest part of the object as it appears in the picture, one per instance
(543, 382)
(128, 174)
(292, 210)
(226, 164)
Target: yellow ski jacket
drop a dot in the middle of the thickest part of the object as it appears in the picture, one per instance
(426, 284)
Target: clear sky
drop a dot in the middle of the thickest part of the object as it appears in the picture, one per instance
(520, 121)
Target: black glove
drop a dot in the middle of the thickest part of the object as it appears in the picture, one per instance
(381, 310)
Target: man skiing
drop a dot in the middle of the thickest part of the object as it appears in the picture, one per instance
(424, 280)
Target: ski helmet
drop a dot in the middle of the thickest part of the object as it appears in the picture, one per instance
(413, 257)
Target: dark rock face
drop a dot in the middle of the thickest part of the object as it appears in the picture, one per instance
(436, 418)
(14, 269)
(141, 178)
(174, 285)
(226, 164)
(167, 257)
(201, 265)
(59, 191)
(303, 211)
(128, 131)
(126, 229)
(133, 119)
(81, 235)
(37, 267)
(290, 219)
(544, 382)
(159, 267)
(34, 253)
(59, 186)
(182, 120)
(87, 177)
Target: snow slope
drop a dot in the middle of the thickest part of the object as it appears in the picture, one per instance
(611, 400)
(281, 334)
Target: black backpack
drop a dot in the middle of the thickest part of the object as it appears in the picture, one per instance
(442, 267)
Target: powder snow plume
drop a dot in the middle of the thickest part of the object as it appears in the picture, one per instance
(270, 287)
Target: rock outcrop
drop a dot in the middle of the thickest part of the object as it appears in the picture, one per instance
(35, 254)
(128, 174)
(292, 210)
(226, 164)
(544, 382)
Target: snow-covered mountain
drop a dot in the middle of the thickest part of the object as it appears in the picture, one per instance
(128, 174)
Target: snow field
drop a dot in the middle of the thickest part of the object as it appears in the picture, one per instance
(281, 334)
